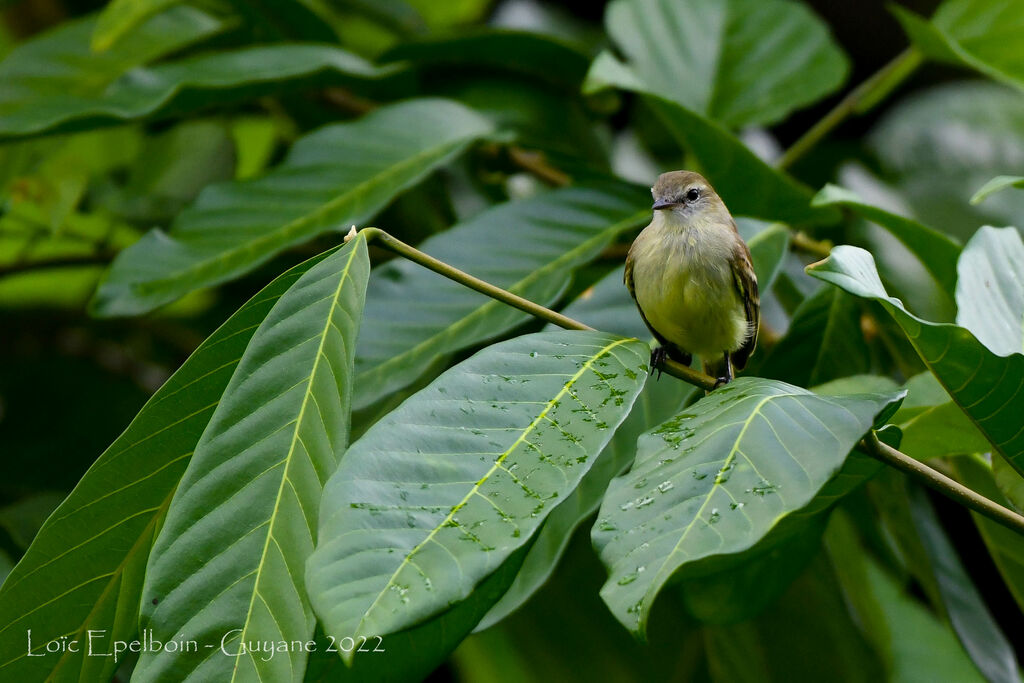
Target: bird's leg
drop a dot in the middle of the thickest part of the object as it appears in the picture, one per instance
(728, 376)
(657, 356)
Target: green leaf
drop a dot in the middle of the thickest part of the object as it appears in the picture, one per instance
(337, 176)
(723, 473)
(121, 16)
(936, 252)
(990, 289)
(749, 186)
(58, 69)
(983, 35)
(443, 490)
(995, 185)
(84, 570)
(1005, 545)
(768, 250)
(659, 400)
(964, 606)
(824, 342)
(193, 83)
(933, 425)
(607, 306)
(243, 519)
(914, 644)
(414, 315)
(1010, 482)
(714, 60)
(985, 385)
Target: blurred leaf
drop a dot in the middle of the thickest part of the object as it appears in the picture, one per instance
(749, 186)
(933, 425)
(335, 177)
(768, 250)
(658, 401)
(914, 644)
(1005, 545)
(171, 169)
(1009, 481)
(824, 342)
(977, 630)
(243, 519)
(808, 635)
(990, 289)
(414, 315)
(983, 35)
(936, 252)
(995, 185)
(450, 12)
(702, 468)
(714, 60)
(607, 306)
(541, 58)
(188, 84)
(84, 570)
(940, 144)
(57, 70)
(121, 16)
(986, 386)
(443, 490)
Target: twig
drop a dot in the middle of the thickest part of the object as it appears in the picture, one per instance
(890, 456)
(98, 259)
(858, 101)
(801, 241)
(536, 163)
(950, 488)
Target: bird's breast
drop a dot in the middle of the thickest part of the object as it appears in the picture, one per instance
(684, 285)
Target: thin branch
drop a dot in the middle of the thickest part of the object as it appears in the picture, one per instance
(890, 456)
(801, 241)
(536, 163)
(950, 488)
(858, 101)
(98, 259)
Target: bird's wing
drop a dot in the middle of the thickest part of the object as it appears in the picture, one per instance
(746, 285)
(627, 277)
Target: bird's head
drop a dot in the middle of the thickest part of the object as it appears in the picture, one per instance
(687, 195)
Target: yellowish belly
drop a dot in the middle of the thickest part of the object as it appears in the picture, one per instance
(688, 296)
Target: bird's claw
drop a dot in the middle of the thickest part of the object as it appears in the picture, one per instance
(658, 356)
(721, 381)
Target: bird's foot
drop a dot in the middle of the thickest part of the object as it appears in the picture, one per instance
(721, 381)
(658, 356)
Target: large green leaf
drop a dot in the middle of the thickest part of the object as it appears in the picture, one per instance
(337, 176)
(84, 569)
(933, 425)
(193, 83)
(58, 69)
(966, 610)
(937, 253)
(229, 558)
(749, 186)
(983, 35)
(529, 246)
(713, 58)
(985, 385)
(990, 289)
(717, 478)
(442, 491)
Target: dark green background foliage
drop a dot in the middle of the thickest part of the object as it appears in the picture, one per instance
(221, 421)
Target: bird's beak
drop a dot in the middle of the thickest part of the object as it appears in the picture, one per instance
(662, 204)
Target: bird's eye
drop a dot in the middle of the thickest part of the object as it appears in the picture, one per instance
(692, 194)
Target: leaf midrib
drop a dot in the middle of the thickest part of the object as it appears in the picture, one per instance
(289, 456)
(474, 490)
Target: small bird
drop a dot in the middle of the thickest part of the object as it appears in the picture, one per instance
(690, 273)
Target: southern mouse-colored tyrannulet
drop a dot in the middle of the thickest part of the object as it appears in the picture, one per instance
(691, 276)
